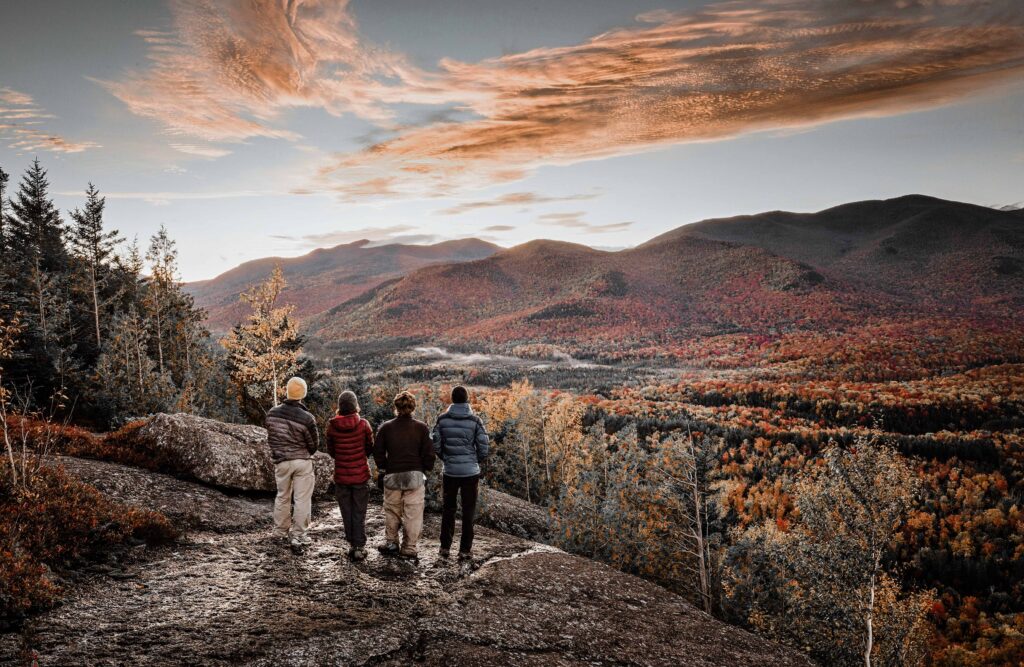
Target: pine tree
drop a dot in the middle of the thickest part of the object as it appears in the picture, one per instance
(264, 350)
(37, 232)
(94, 247)
(128, 382)
(4, 178)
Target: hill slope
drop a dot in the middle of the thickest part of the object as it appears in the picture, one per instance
(327, 276)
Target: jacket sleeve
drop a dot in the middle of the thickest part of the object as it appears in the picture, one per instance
(330, 441)
(435, 436)
(426, 450)
(380, 453)
(313, 442)
(483, 441)
(368, 432)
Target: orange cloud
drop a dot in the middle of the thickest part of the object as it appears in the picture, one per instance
(732, 68)
(229, 69)
(511, 199)
(19, 118)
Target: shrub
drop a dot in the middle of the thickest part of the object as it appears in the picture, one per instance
(56, 522)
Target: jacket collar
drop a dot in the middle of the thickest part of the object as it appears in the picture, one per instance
(346, 422)
(460, 409)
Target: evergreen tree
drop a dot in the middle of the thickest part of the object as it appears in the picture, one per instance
(94, 248)
(37, 232)
(4, 177)
(129, 383)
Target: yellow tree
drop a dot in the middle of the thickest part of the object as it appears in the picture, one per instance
(264, 350)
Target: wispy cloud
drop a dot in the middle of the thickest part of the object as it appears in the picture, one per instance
(228, 70)
(20, 117)
(511, 199)
(165, 198)
(374, 236)
(574, 220)
(211, 152)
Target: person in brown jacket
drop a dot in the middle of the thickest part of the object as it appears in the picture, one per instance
(404, 453)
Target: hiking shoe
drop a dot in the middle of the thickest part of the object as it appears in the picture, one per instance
(352, 554)
(465, 555)
(409, 557)
(445, 553)
(388, 550)
(359, 554)
(298, 548)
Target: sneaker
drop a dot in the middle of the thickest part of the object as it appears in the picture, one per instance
(465, 555)
(359, 554)
(445, 553)
(388, 549)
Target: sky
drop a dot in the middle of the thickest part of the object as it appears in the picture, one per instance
(253, 128)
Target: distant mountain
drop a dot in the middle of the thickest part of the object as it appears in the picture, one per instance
(756, 274)
(923, 249)
(328, 276)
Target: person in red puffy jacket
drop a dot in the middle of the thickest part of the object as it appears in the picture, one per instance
(350, 442)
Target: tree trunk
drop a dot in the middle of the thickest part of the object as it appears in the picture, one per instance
(526, 465)
(96, 306)
(869, 644)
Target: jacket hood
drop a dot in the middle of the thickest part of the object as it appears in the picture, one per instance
(346, 422)
(460, 409)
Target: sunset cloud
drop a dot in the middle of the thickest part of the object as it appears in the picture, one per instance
(228, 70)
(211, 152)
(511, 199)
(20, 118)
(374, 236)
(732, 68)
(574, 220)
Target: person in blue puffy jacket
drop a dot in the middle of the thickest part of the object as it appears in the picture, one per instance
(461, 443)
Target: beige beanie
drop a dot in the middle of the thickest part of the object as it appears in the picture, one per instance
(296, 389)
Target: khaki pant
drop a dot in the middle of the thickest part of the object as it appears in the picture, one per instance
(405, 507)
(294, 478)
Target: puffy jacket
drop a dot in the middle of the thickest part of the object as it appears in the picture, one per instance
(402, 445)
(350, 441)
(291, 432)
(460, 440)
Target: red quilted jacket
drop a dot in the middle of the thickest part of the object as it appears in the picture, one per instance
(350, 442)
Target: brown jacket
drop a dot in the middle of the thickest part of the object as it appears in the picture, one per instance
(403, 444)
(291, 432)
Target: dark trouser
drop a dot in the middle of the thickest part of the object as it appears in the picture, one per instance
(453, 486)
(352, 500)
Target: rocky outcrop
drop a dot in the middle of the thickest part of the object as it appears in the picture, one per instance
(512, 515)
(228, 456)
(188, 506)
(240, 597)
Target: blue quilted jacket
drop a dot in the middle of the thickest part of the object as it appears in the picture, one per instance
(460, 441)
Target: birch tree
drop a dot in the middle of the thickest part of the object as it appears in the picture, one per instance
(824, 586)
(264, 350)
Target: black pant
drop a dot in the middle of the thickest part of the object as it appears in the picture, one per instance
(453, 486)
(352, 500)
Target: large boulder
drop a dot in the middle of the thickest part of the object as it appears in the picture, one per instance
(228, 456)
